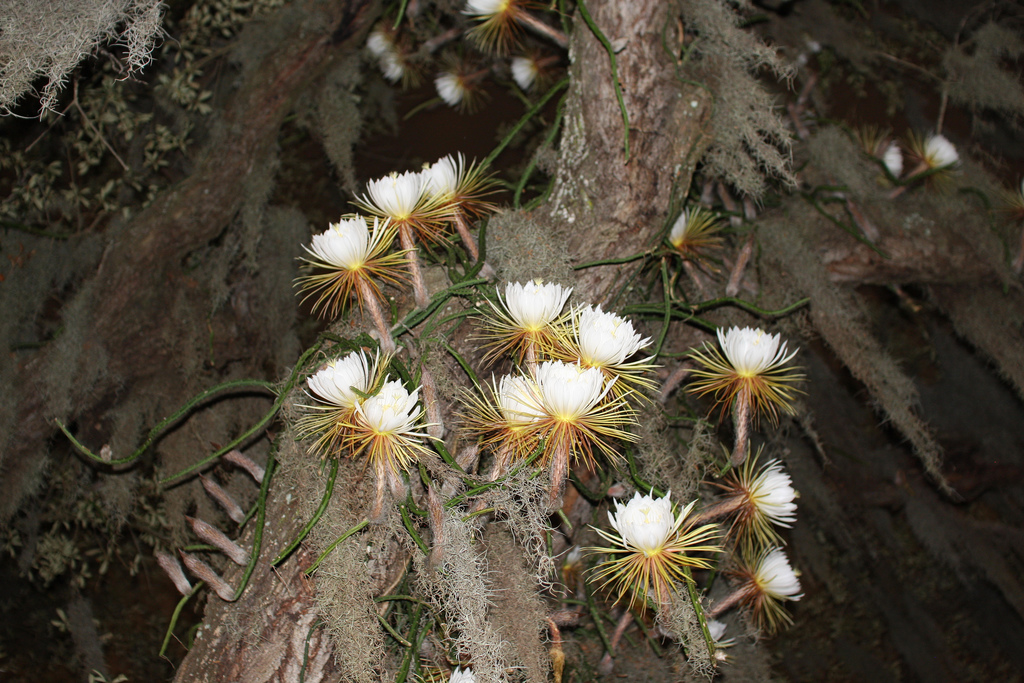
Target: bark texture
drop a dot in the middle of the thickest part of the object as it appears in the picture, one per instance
(143, 274)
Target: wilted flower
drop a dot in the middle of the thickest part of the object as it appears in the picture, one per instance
(651, 548)
(338, 388)
(893, 159)
(762, 586)
(380, 42)
(525, 318)
(694, 233)
(351, 259)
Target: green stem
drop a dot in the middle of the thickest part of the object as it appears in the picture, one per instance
(523, 121)
(548, 140)
(412, 648)
(305, 650)
(261, 516)
(667, 319)
(412, 532)
(331, 547)
(324, 502)
(167, 422)
(175, 615)
(614, 65)
(612, 261)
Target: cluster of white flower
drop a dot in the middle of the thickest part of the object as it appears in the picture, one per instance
(390, 58)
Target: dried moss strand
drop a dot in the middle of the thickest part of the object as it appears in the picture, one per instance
(497, 482)
(335, 544)
(614, 68)
(174, 617)
(640, 483)
(523, 121)
(324, 502)
(159, 429)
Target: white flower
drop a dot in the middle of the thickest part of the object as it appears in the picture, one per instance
(462, 676)
(893, 159)
(441, 178)
(485, 8)
(392, 66)
(678, 232)
(395, 195)
(524, 71)
(345, 244)
(518, 400)
(605, 339)
(450, 88)
(775, 577)
(334, 383)
(379, 43)
(645, 522)
(391, 411)
(752, 352)
(568, 392)
(773, 494)
(717, 629)
(535, 305)
(939, 152)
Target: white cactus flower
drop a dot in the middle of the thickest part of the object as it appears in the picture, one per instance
(775, 578)
(392, 66)
(569, 392)
(518, 400)
(524, 71)
(606, 339)
(460, 675)
(645, 523)
(334, 383)
(752, 352)
(441, 178)
(346, 244)
(717, 629)
(485, 8)
(395, 195)
(535, 305)
(379, 43)
(939, 152)
(893, 159)
(450, 88)
(392, 411)
(772, 493)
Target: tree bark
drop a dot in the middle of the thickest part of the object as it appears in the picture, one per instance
(142, 273)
